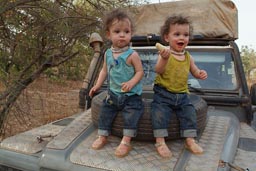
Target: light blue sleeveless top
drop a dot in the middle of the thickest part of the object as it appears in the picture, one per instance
(121, 72)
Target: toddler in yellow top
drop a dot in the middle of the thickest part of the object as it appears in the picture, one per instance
(170, 87)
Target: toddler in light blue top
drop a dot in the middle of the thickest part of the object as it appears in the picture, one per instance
(121, 72)
(123, 69)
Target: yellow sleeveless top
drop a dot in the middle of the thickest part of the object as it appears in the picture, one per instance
(175, 76)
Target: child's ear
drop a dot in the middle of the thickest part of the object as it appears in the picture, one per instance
(108, 34)
(166, 39)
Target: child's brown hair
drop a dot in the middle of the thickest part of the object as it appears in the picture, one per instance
(116, 14)
(172, 20)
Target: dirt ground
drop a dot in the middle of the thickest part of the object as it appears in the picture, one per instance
(42, 102)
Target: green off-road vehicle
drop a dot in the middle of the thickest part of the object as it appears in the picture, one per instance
(223, 103)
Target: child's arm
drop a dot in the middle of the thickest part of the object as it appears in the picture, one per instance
(102, 76)
(136, 63)
(195, 71)
(164, 54)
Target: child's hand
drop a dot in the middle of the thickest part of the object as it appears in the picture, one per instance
(92, 91)
(202, 74)
(126, 86)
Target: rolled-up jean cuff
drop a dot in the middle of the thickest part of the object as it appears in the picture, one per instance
(103, 132)
(130, 132)
(160, 133)
(188, 133)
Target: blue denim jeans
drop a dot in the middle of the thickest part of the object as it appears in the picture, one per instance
(163, 107)
(131, 108)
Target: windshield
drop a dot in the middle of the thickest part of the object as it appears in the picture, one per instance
(219, 66)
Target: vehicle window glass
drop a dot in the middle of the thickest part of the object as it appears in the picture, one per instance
(220, 69)
(219, 66)
(148, 59)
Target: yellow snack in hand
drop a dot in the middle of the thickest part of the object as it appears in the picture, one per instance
(159, 46)
(123, 90)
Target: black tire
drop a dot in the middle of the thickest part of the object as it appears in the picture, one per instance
(6, 168)
(145, 132)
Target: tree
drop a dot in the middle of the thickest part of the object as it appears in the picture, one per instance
(248, 56)
(36, 35)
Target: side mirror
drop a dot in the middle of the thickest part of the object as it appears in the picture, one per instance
(253, 94)
(95, 40)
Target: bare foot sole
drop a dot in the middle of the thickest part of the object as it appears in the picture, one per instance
(99, 143)
(163, 150)
(123, 149)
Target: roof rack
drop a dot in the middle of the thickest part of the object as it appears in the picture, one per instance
(151, 40)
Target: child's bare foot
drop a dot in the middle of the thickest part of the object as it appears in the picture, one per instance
(99, 142)
(163, 150)
(192, 146)
(123, 149)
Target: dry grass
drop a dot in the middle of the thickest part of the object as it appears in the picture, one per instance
(42, 102)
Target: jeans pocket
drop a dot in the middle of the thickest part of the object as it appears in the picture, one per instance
(108, 100)
(118, 100)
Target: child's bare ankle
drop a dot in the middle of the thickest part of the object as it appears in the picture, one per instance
(160, 140)
(190, 140)
(103, 137)
(126, 139)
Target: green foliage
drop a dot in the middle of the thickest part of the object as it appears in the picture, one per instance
(36, 33)
(248, 56)
(74, 69)
(48, 37)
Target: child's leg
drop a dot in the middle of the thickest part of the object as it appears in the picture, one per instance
(131, 112)
(106, 117)
(160, 115)
(188, 125)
